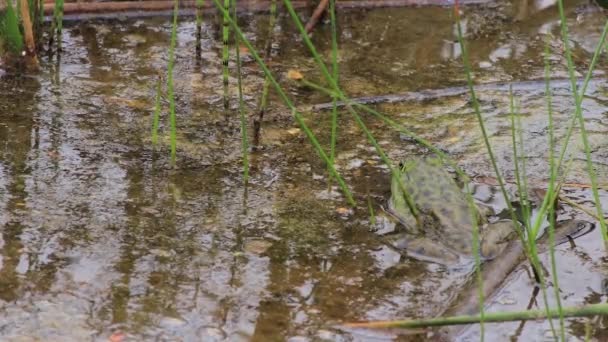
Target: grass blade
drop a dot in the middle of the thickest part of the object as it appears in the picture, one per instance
(243, 117)
(170, 91)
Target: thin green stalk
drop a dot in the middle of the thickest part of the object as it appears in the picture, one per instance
(522, 185)
(156, 117)
(225, 54)
(298, 116)
(244, 137)
(550, 190)
(523, 195)
(372, 215)
(514, 143)
(581, 311)
(334, 69)
(170, 92)
(58, 21)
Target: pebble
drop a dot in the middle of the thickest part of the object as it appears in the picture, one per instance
(485, 65)
(355, 164)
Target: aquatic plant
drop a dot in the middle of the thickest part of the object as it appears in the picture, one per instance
(19, 26)
(170, 91)
(243, 117)
(551, 189)
(57, 24)
(334, 69)
(11, 39)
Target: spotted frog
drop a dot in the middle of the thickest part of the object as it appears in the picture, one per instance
(441, 231)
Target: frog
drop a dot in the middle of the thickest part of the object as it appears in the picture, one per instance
(439, 218)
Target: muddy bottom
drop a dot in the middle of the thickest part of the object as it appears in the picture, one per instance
(102, 238)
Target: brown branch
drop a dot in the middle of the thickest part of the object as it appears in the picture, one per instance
(316, 16)
(246, 5)
(30, 44)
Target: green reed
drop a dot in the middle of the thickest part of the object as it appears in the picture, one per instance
(243, 117)
(170, 91)
(199, 23)
(283, 95)
(156, 116)
(57, 26)
(522, 190)
(225, 54)
(518, 174)
(334, 69)
(372, 214)
(551, 189)
(523, 187)
(10, 34)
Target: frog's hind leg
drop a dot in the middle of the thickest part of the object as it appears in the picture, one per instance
(428, 250)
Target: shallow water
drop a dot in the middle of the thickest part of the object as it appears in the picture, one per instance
(102, 236)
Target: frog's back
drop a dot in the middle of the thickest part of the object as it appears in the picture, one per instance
(436, 194)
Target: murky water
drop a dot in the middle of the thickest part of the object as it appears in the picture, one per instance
(101, 236)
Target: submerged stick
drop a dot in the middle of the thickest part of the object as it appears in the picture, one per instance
(433, 94)
(495, 317)
(249, 5)
(316, 16)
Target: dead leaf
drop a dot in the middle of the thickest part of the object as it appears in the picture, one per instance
(294, 75)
